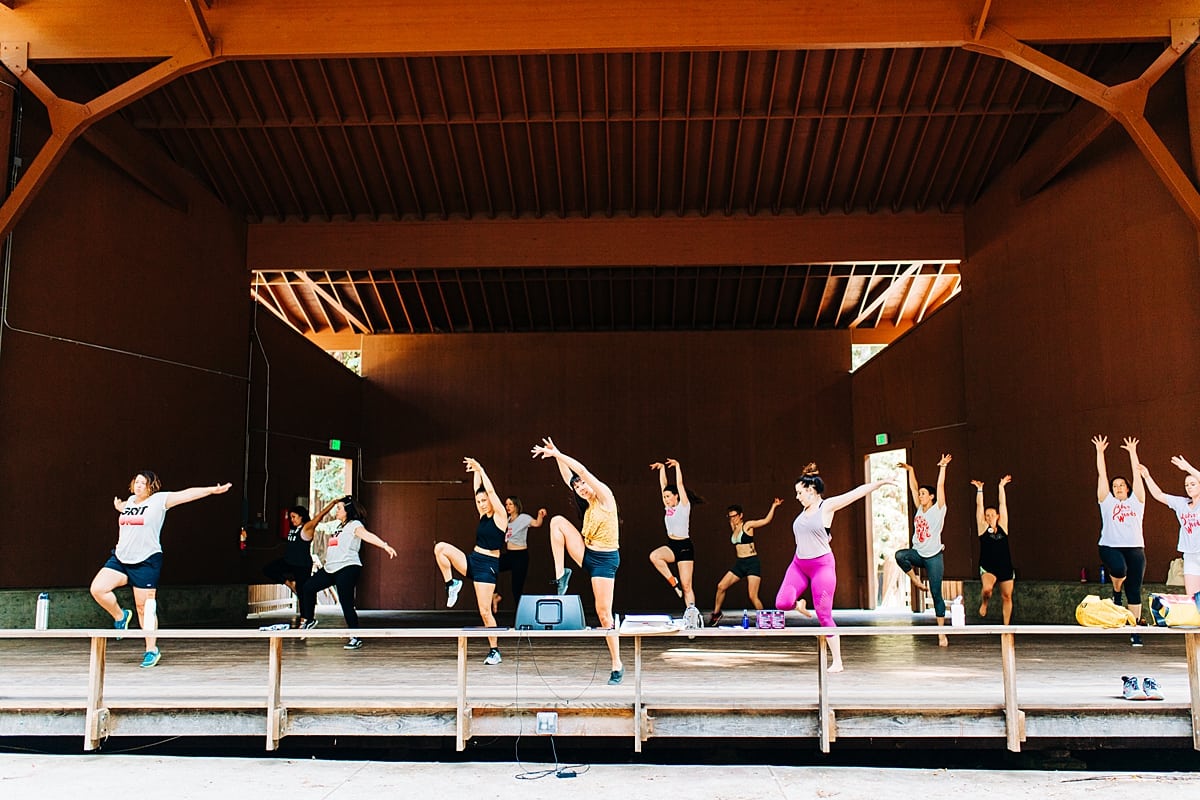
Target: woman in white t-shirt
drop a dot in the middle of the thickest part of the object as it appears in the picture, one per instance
(137, 558)
(1187, 511)
(1122, 545)
(927, 547)
(677, 515)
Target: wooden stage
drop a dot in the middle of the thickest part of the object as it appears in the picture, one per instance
(993, 686)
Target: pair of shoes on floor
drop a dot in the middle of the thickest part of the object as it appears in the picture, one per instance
(560, 584)
(615, 676)
(452, 592)
(493, 657)
(122, 623)
(151, 658)
(355, 643)
(1148, 690)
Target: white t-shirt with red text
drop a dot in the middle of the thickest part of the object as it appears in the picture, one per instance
(1189, 523)
(927, 530)
(140, 528)
(677, 519)
(343, 547)
(1121, 522)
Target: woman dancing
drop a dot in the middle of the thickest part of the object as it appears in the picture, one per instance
(1187, 511)
(137, 559)
(1122, 545)
(343, 564)
(814, 564)
(294, 567)
(995, 560)
(677, 514)
(483, 565)
(747, 565)
(515, 556)
(596, 548)
(927, 539)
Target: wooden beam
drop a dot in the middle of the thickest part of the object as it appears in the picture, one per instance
(145, 29)
(201, 25)
(1192, 644)
(276, 713)
(907, 275)
(96, 715)
(623, 241)
(319, 290)
(1013, 718)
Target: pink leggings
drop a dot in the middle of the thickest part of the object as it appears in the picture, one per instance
(821, 574)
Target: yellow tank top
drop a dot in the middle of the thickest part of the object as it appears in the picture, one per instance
(600, 528)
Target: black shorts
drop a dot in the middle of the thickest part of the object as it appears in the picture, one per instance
(744, 567)
(683, 549)
(143, 575)
(483, 569)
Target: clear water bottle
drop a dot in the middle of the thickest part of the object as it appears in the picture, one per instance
(42, 616)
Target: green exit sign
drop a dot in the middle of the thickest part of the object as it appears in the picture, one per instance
(335, 444)
(881, 438)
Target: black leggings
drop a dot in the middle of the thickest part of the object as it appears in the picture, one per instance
(345, 579)
(1128, 563)
(516, 562)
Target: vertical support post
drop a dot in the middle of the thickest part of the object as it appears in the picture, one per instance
(639, 734)
(275, 712)
(96, 716)
(461, 718)
(1014, 718)
(1191, 642)
(824, 713)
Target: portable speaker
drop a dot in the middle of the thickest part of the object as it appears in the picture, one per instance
(552, 612)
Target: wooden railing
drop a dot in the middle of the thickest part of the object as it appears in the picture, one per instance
(97, 714)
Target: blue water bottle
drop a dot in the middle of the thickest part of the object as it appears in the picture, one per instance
(745, 620)
(1103, 575)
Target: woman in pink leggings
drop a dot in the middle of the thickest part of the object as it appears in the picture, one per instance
(814, 565)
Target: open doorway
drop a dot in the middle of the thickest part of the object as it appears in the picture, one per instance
(887, 530)
(329, 477)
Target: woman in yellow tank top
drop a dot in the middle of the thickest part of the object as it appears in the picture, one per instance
(595, 548)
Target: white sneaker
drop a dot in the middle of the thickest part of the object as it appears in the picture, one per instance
(452, 592)
(493, 657)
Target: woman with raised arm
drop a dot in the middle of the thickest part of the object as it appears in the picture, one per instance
(294, 567)
(814, 564)
(343, 564)
(995, 560)
(927, 539)
(747, 564)
(515, 556)
(1187, 511)
(1122, 545)
(137, 559)
(483, 564)
(596, 548)
(677, 514)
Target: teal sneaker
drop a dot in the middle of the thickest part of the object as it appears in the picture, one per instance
(151, 658)
(123, 623)
(560, 585)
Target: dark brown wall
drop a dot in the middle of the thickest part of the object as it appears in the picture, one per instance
(300, 399)
(1077, 317)
(153, 302)
(741, 411)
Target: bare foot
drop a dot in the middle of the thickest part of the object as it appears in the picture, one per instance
(802, 607)
(983, 609)
(943, 641)
(496, 603)
(836, 667)
(917, 583)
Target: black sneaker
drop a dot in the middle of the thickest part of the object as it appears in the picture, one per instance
(1135, 640)
(354, 644)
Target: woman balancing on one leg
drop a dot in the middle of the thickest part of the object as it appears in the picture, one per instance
(814, 564)
(995, 560)
(927, 539)
(1122, 545)
(1187, 510)
(747, 565)
(483, 564)
(595, 548)
(137, 558)
(677, 514)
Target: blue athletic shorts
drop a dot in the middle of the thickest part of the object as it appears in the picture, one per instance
(483, 569)
(601, 563)
(143, 575)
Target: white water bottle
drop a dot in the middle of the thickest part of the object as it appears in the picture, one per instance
(150, 623)
(42, 616)
(958, 614)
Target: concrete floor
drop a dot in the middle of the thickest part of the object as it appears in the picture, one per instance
(25, 777)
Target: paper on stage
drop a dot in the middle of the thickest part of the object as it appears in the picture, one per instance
(650, 623)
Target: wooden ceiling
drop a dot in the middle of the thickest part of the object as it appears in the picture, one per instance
(313, 119)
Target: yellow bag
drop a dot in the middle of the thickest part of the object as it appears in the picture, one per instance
(1174, 610)
(1096, 613)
